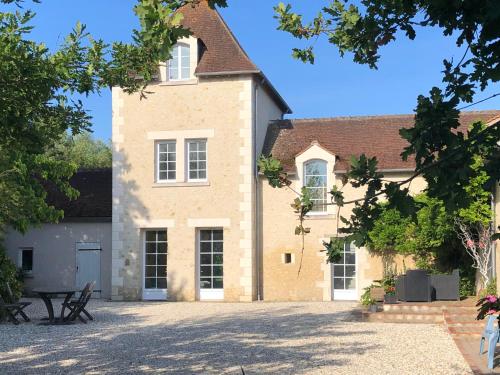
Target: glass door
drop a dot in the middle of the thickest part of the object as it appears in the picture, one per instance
(155, 265)
(211, 256)
(344, 275)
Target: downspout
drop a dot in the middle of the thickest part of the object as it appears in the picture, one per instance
(257, 193)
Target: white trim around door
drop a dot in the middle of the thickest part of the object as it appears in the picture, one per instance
(210, 267)
(154, 275)
(344, 275)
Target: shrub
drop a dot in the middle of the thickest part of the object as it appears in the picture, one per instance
(491, 289)
(467, 287)
(366, 298)
(9, 274)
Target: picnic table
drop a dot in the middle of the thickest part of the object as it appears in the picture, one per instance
(47, 294)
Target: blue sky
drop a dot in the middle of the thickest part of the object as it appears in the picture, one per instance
(334, 86)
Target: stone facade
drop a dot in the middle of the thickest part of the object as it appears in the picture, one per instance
(226, 101)
(220, 110)
(283, 281)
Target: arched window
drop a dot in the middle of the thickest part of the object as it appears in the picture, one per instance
(179, 67)
(315, 180)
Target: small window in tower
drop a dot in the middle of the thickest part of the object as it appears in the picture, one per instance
(179, 67)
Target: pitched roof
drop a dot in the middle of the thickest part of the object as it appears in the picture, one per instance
(350, 136)
(95, 200)
(221, 54)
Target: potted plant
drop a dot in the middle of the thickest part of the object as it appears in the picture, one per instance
(389, 285)
(390, 295)
(368, 301)
(489, 305)
(377, 292)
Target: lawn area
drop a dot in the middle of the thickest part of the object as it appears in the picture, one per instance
(218, 338)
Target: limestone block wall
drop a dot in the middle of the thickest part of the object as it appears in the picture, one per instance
(220, 110)
(283, 282)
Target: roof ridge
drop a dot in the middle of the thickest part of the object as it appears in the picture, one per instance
(363, 117)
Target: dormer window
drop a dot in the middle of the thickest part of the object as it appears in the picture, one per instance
(179, 67)
(315, 180)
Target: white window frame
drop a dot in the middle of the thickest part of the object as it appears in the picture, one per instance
(20, 260)
(324, 211)
(188, 160)
(157, 162)
(209, 294)
(178, 49)
(346, 294)
(153, 293)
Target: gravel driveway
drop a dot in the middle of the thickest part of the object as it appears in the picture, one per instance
(218, 338)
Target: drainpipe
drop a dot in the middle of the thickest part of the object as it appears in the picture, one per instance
(257, 193)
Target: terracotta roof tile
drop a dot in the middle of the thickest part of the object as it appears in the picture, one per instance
(95, 200)
(222, 52)
(350, 136)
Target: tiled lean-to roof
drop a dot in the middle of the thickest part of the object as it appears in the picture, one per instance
(351, 136)
(95, 200)
(220, 52)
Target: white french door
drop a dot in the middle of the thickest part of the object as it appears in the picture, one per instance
(344, 275)
(210, 260)
(155, 265)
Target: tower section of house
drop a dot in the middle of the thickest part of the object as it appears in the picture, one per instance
(184, 171)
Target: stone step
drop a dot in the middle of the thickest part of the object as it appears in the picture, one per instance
(475, 323)
(471, 313)
(463, 319)
(410, 308)
(460, 308)
(465, 330)
(395, 317)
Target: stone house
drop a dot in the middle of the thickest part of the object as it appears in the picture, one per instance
(192, 219)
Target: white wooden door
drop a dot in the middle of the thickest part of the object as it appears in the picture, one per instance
(211, 264)
(88, 266)
(155, 265)
(344, 275)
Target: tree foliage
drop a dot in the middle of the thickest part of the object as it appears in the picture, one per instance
(38, 91)
(460, 169)
(389, 233)
(8, 274)
(421, 235)
(83, 150)
(445, 157)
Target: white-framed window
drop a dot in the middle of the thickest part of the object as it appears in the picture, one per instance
(155, 259)
(179, 66)
(25, 261)
(315, 180)
(196, 159)
(166, 159)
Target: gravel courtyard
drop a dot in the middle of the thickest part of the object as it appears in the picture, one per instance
(219, 338)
